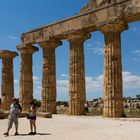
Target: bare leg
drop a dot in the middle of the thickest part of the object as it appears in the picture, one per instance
(31, 126)
(34, 125)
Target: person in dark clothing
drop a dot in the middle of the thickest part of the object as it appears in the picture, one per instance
(86, 107)
(32, 118)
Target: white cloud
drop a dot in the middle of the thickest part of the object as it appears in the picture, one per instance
(62, 86)
(136, 29)
(62, 83)
(135, 59)
(64, 75)
(98, 51)
(36, 80)
(130, 81)
(88, 45)
(16, 81)
(13, 37)
(137, 52)
(94, 44)
(93, 85)
(16, 88)
(96, 47)
(39, 87)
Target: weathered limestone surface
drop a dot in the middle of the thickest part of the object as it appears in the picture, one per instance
(77, 93)
(113, 96)
(105, 12)
(49, 76)
(95, 4)
(26, 75)
(7, 84)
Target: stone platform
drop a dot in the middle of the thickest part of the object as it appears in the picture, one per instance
(4, 115)
(44, 115)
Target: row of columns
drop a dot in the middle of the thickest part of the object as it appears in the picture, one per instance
(113, 97)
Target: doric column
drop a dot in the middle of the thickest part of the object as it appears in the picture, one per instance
(113, 91)
(7, 84)
(26, 75)
(77, 92)
(49, 76)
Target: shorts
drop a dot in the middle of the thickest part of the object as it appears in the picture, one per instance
(32, 117)
(11, 121)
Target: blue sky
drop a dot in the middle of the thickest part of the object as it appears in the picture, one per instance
(17, 16)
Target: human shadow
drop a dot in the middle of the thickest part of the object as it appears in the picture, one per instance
(42, 134)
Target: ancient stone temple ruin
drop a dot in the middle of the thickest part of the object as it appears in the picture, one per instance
(111, 17)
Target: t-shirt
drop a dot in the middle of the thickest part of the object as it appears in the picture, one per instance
(33, 111)
(14, 111)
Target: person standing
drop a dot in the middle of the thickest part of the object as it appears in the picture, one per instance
(15, 110)
(86, 107)
(32, 118)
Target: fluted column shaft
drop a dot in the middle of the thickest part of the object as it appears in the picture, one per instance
(26, 75)
(77, 91)
(7, 84)
(49, 76)
(113, 93)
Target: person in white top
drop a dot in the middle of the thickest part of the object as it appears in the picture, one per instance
(15, 110)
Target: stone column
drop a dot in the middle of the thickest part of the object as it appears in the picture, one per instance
(113, 88)
(77, 92)
(26, 75)
(7, 84)
(49, 76)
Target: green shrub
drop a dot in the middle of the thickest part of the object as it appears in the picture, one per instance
(37, 102)
(65, 103)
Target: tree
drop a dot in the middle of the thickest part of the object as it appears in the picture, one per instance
(138, 97)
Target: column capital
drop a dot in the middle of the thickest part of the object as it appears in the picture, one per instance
(53, 43)
(117, 26)
(27, 48)
(8, 54)
(79, 36)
